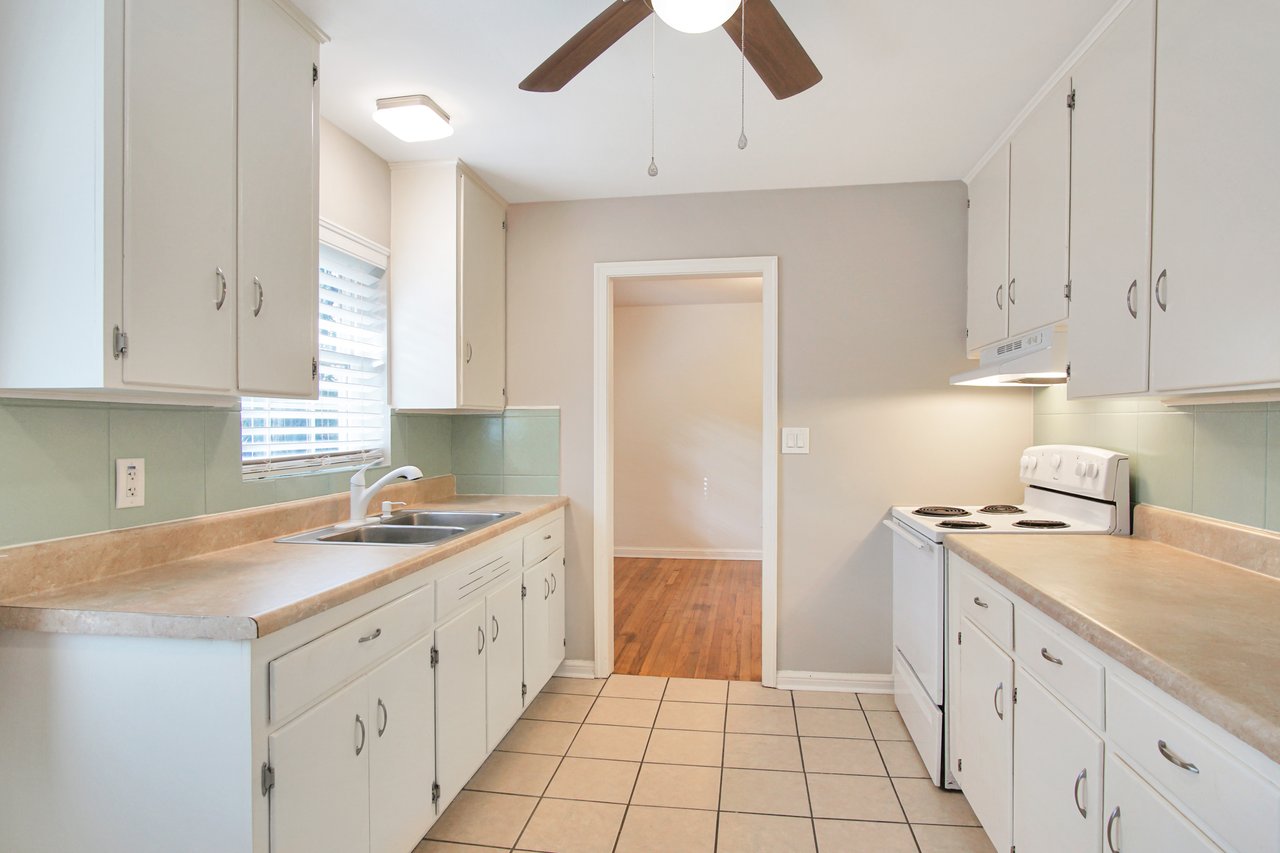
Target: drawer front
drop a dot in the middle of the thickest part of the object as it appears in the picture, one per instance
(303, 675)
(1228, 797)
(472, 581)
(985, 607)
(1078, 679)
(544, 540)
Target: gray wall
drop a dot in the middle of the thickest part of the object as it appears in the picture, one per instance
(872, 314)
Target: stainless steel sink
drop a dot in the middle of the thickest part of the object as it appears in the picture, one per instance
(377, 534)
(446, 518)
(407, 527)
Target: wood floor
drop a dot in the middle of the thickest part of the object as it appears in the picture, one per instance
(687, 618)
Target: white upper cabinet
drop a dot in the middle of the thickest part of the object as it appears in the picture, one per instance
(1039, 212)
(1216, 197)
(448, 289)
(988, 317)
(1111, 207)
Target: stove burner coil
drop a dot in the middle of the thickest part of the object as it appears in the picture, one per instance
(1002, 509)
(1040, 524)
(940, 511)
(962, 524)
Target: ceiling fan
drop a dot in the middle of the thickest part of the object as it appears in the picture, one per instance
(771, 48)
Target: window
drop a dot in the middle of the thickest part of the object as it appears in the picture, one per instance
(348, 425)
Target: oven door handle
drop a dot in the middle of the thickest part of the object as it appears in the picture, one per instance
(911, 538)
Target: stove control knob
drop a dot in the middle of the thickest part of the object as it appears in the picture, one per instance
(1056, 462)
(1091, 470)
(1079, 467)
(1030, 462)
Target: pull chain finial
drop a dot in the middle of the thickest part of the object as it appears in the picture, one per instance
(742, 44)
(653, 98)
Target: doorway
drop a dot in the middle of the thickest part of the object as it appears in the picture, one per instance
(692, 466)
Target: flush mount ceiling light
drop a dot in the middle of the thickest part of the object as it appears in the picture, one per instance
(413, 118)
(694, 16)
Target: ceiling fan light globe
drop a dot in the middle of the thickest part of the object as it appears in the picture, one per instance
(694, 16)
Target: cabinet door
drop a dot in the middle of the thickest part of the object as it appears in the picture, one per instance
(1111, 207)
(461, 737)
(537, 629)
(555, 612)
(483, 281)
(1039, 212)
(505, 660)
(402, 749)
(1138, 820)
(1215, 195)
(1057, 775)
(988, 320)
(278, 213)
(320, 801)
(985, 732)
(180, 193)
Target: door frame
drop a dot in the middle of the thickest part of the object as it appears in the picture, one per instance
(766, 267)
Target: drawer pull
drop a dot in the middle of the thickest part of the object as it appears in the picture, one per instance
(367, 638)
(1080, 777)
(546, 536)
(997, 700)
(360, 746)
(1044, 653)
(386, 717)
(1175, 759)
(980, 602)
(1115, 816)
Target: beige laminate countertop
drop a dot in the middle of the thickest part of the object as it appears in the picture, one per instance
(252, 590)
(1205, 632)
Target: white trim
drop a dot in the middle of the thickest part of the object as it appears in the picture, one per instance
(577, 669)
(1054, 79)
(687, 553)
(835, 682)
(602, 421)
(123, 396)
(353, 244)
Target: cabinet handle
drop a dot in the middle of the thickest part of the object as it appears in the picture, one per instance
(1175, 759)
(1000, 297)
(1160, 297)
(480, 634)
(1012, 292)
(1044, 653)
(259, 297)
(495, 628)
(468, 353)
(384, 716)
(1131, 299)
(997, 699)
(221, 289)
(980, 602)
(1115, 816)
(546, 589)
(546, 536)
(363, 734)
(371, 637)
(554, 583)
(1080, 777)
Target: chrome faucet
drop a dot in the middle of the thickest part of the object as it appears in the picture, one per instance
(362, 495)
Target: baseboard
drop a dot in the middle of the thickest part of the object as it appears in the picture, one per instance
(688, 553)
(836, 682)
(577, 669)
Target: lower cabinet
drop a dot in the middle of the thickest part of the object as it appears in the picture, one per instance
(461, 685)
(984, 739)
(1139, 820)
(555, 612)
(504, 660)
(543, 620)
(402, 742)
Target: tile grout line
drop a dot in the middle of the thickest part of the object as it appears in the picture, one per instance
(626, 808)
(889, 775)
(724, 750)
(813, 823)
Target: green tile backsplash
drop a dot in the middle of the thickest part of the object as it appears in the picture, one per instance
(1216, 460)
(515, 453)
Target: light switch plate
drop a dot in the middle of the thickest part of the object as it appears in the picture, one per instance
(795, 439)
(131, 482)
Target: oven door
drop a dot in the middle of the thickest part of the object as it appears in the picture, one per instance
(918, 602)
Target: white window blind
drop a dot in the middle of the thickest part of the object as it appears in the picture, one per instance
(348, 425)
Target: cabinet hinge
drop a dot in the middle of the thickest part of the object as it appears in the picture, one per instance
(524, 690)
(966, 334)
(315, 73)
(504, 223)
(968, 204)
(959, 638)
(315, 368)
(435, 792)
(435, 657)
(524, 591)
(1071, 100)
(119, 343)
(1066, 291)
(1015, 696)
(1068, 370)
(268, 778)
(959, 764)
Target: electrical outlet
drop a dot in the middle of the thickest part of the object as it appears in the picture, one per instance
(131, 482)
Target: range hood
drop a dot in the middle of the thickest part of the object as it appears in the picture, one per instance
(1031, 360)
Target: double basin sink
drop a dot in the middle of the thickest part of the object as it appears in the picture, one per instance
(408, 527)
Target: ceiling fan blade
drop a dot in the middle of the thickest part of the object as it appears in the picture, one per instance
(592, 40)
(773, 50)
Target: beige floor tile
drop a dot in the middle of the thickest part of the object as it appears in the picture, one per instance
(924, 802)
(759, 720)
(696, 690)
(647, 829)
(824, 699)
(887, 725)
(580, 686)
(617, 742)
(696, 716)
(764, 792)
(854, 798)
(573, 826)
(902, 759)
(753, 693)
(758, 833)
(762, 752)
(559, 707)
(450, 847)
(832, 722)
(493, 820)
(635, 687)
(677, 786)
(953, 839)
(673, 746)
(877, 702)
(612, 711)
(539, 736)
(842, 836)
(841, 755)
(515, 773)
(594, 779)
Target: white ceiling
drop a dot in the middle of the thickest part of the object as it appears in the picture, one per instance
(665, 290)
(914, 90)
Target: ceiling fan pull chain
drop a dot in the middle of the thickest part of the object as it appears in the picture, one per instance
(742, 135)
(653, 98)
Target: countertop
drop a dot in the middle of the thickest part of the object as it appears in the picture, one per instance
(1204, 631)
(248, 591)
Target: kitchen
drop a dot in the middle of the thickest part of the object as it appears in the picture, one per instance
(873, 273)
